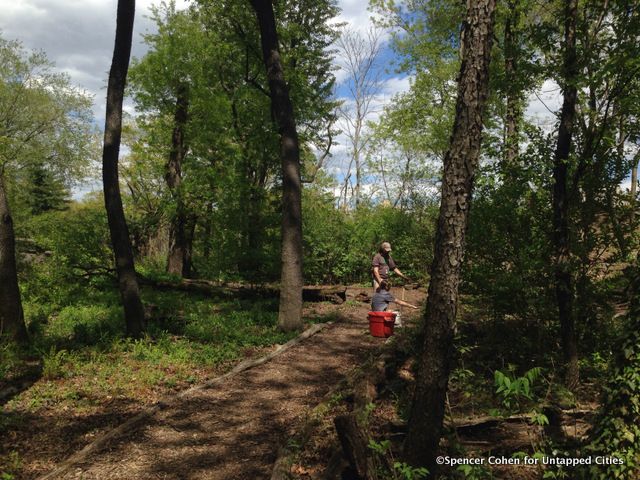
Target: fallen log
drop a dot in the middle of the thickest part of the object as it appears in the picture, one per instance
(310, 293)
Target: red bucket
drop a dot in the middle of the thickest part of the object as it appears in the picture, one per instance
(381, 323)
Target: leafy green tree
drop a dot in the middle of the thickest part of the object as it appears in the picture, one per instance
(597, 73)
(616, 432)
(45, 125)
(229, 171)
(406, 147)
(182, 111)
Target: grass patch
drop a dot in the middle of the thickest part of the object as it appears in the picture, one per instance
(87, 361)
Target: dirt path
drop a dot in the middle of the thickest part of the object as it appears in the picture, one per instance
(233, 430)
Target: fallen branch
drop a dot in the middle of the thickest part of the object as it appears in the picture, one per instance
(310, 293)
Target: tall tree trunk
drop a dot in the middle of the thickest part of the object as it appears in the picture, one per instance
(356, 154)
(178, 260)
(128, 283)
(290, 314)
(11, 315)
(634, 186)
(634, 179)
(562, 249)
(460, 164)
(514, 93)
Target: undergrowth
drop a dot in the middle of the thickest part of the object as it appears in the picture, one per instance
(86, 359)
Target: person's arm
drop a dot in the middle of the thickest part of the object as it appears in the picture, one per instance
(375, 264)
(399, 273)
(376, 274)
(405, 304)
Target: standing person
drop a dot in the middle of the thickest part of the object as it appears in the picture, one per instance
(382, 298)
(382, 264)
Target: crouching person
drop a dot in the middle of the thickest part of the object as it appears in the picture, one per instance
(382, 298)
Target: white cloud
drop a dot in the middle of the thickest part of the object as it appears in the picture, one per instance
(77, 35)
(544, 104)
(395, 85)
(355, 13)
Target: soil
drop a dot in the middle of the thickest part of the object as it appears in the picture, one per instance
(231, 430)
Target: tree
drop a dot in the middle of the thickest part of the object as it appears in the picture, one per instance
(45, 190)
(230, 172)
(460, 164)
(127, 281)
(45, 126)
(11, 314)
(407, 145)
(562, 253)
(358, 54)
(290, 313)
(182, 109)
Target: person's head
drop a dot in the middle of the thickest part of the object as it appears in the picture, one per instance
(385, 248)
(384, 285)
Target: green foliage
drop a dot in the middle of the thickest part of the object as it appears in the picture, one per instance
(77, 325)
(230, 176)
(54, 364)
(338, 245)
(10, 359)
(72, 251)
(46, 132)
(45, 190)
(509, 238)
(86, 357)
(474, 472)
(517, 392)
(407, 472)
(10, 464)
(617, 431)
(399, 470)
(513, 389)
(380, 447)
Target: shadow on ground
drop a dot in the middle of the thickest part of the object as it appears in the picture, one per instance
(233, 430)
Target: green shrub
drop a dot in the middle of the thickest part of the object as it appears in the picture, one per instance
(10, 359)
(339, 245)
(55, 364)
(79, 325)
(617, 431)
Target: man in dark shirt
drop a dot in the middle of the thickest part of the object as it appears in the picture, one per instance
(382, 264)
(382, 298)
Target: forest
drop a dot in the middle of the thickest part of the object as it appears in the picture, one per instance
(186, 256)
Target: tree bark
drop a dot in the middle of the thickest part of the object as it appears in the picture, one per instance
(460, 165)
(514, 94)
(561, 243)
(127, 281)
(634, 185)
(290, 312)
(179, 257)
(355, 446)
(11, 315)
